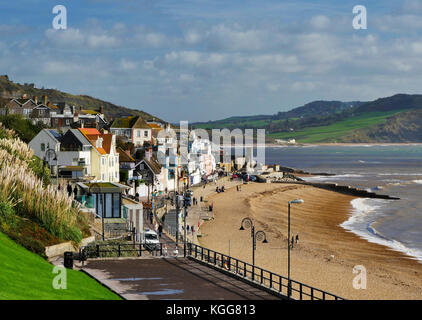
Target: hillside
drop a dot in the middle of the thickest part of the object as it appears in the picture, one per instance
(390, 119)
(25, 275)
(401, 127)
(10, 89)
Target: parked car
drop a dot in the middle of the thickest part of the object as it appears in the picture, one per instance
(151, 240)
(253, 178)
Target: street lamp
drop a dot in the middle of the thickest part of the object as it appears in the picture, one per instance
(185, 204)
(289, 287)
(259, 235)
(50, 153)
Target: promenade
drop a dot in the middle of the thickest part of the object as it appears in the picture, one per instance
(170, 278)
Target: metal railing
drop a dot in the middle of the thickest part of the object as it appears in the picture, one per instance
(257, 275)
(119, 250)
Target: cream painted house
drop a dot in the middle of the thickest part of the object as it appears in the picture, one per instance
(104, 157)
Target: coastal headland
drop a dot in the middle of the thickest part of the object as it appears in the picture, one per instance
(326, 253)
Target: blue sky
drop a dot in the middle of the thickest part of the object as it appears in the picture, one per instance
(205, 60)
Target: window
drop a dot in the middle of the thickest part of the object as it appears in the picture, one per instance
(146, 134)
(103, 176)
(103, 161)
(138, 133)
(67, 122)
(115, 174)
(42, 146)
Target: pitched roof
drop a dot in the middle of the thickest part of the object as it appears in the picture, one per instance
(153, 164)
(92, 136)
(131, 122)
(80, 136)
(155, 126)
(93, 112)
(124, 157)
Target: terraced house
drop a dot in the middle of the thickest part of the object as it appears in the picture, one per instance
(133, 129)
(55, 115)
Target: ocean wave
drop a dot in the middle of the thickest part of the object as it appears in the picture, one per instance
(369, 162)
(399, 174)
(361, 223)
(336, 177)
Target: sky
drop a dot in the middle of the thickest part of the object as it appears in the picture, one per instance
(207, 60)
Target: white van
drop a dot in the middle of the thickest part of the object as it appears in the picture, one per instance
(151, 240)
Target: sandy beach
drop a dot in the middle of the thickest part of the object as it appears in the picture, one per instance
(390, 274)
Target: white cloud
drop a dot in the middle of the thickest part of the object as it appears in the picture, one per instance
(320, 22)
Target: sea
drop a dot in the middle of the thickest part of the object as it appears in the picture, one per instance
(395, 170)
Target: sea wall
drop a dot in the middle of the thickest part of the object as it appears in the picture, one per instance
(345, 190)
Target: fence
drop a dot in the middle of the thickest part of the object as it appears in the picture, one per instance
(119, 250)
(282, 285)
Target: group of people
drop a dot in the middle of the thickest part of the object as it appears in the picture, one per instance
(191, 228)
(69, 189)
(195, 201)
(218, 190)
(293, 240)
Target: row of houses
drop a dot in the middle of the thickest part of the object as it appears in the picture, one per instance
(104, 159)
(54, 115)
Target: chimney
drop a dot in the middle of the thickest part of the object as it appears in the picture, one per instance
(24, 96)
(44, 99)
(148, 153)
(35, 99)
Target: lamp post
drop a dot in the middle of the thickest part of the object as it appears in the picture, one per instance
(289, 287)
(50, 153)
(185, 204)
(259, 235)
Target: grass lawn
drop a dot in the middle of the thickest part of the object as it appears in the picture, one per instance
(336, 130)
(26, 276)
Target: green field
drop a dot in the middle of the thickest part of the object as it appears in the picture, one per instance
(335, 131)
(26, 276)
(223, 124)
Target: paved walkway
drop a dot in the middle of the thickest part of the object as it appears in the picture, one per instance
(174, 279)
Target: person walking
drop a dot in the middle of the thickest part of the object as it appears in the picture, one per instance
(293, 241)
(297, 239)
(160, 230)
(69, 189)
(150, 216)
(75, 191)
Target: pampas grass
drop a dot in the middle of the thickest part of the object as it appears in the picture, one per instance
(20, 187)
